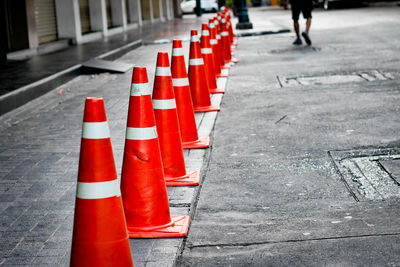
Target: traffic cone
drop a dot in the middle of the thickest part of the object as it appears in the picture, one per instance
(143, 189)
(168, 127)
(214, 47)
(206, 51)
(184, 106)
(226, 43)
(197, 77)
(221, 52)
(99, 236)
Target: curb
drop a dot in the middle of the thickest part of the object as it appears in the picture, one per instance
(23, 95)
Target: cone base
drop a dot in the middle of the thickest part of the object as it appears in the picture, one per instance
(179, 228)
(216, 91)
(202, 142)
(221, 75)
(206, 109)
(234, 60)
(190, 179)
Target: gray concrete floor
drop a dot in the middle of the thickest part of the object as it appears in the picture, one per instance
(292, 115)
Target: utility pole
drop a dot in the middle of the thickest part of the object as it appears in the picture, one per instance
(199, 11)
(241, 10)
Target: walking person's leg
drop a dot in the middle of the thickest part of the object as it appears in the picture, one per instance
(295, 17)
(306, 10)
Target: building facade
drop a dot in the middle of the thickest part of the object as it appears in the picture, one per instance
(30, 27)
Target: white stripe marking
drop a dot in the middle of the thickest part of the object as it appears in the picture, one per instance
(146, 133)
(206, 51)
(223, 20)
(196, 61)
(218, 37)
(98, 190)
(163, 71)
(177, 52)
(211, 25)
(224, 34)
(213, 41)
(164, 103)
(205, 33)
(95, 130)
(139, 89)
(195, 38)
(180, 82)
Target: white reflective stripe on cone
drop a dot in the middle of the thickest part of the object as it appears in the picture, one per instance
(206, 51)
(195, 38)
(146, 133)
(205, 33)
(163, 71)
(224, 33)
(98, 190)
(218, 37)
(95, 130)
(223, 20)
(211, 25)
(177, 51)
(180, 82)
(196, 61)
(164, 103)
(139, 89)
(213, 41)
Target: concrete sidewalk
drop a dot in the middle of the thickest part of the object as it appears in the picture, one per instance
(305, 165)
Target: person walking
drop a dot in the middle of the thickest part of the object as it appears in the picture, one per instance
(305, 7)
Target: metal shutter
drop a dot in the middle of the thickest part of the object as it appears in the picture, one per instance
(108, 9)
(145, 6)
(46, 22)
(156, 9)
(85, 15)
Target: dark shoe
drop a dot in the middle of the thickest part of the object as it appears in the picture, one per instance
(306, 38)
(297, 41)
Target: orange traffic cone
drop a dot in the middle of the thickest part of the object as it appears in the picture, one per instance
(214, 47)
(168, 127)
(206, 51)
(143, 189)
(220, 44)
(226, 43)
(99, 236)
(184, 106)
(197, 77)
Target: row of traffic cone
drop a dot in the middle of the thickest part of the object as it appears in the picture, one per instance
(160, 125)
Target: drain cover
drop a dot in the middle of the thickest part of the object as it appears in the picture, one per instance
(362, 76)
(369, 174)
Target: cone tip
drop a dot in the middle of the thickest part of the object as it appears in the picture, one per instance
(177, 43)
(94, 110)
(193, 32)
(162, 59)
(139, 75)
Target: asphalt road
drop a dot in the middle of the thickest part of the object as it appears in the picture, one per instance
(278, 191)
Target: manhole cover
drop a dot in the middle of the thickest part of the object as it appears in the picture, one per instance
(362, 76)
(369, 174)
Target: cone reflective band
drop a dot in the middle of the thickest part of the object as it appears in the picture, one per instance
(214, 47)
(183, 98)
(198, 79)
(99, 235)
(206, 51)
(143, 189)
(168, 130)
